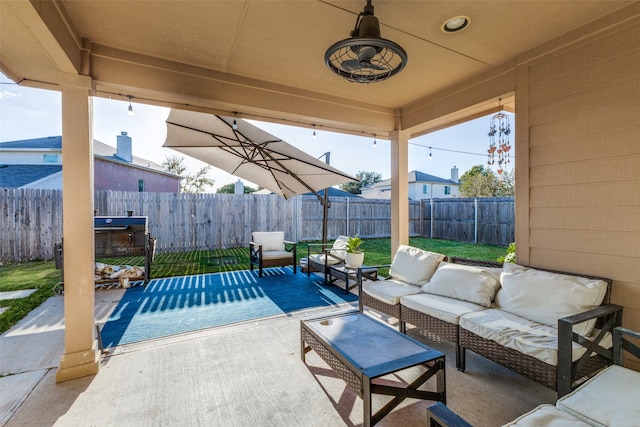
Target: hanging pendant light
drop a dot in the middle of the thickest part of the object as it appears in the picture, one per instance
(366, 57)
(130, 109)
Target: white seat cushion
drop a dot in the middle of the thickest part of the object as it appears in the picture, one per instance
(269, 240)
(443, 308)
(546, 416)
(414, 265)
(524, 335)
(389, 291)
(320, 259)
(463, 282)
(276, 255)
(611, 398)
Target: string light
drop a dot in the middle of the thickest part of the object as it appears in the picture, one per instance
(131, 113)
(234, 126)
(430, 156)
(375, 143)
(314, 132)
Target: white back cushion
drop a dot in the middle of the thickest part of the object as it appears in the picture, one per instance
(545, 297)
(339, 248)
(413, 265)
(270, 240)
(463, 282)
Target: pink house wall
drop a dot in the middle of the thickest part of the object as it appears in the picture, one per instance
(115, 176)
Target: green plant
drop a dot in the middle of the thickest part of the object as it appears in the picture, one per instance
(510, 256)
(353, 244)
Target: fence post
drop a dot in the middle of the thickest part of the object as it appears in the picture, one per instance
(475, 221)
(348, 216)
(431, 207)
(421, 218)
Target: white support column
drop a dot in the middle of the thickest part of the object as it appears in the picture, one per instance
(399, 189)
(81, 355)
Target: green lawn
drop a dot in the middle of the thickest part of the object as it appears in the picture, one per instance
(43, 276)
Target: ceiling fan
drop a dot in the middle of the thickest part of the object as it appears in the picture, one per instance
(366, 57)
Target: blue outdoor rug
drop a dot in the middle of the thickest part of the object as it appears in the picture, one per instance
(181, 304)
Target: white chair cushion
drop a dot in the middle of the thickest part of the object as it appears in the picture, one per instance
(389, 291)
(339, 248)
(546, 297)
(611, 398)
(277, 255)
(413, 265)
(523, 335)
(443, 308)
(320, 259)
(546, 416)
(270, 240)
(463, 282)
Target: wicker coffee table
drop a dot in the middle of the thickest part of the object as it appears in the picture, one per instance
(360, 349)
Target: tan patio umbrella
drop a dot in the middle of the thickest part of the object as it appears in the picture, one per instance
(248, 152)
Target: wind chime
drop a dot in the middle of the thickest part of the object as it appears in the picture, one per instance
(499, 146)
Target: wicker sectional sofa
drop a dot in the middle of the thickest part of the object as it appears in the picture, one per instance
(538, 323)
(610, 398)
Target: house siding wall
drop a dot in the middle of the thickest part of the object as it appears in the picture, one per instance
(583, 112)
(114, 176)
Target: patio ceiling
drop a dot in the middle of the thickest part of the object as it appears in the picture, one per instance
(264, 59)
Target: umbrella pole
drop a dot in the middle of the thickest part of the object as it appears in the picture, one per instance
(325, 203)
(325, 214)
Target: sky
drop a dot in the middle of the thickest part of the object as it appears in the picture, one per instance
(27, 113)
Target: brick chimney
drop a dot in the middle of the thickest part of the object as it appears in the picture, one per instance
(124, 147)
(454, 174)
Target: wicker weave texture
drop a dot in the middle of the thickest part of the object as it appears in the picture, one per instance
(525, 365)
(446, 330)
(341, 370)
(389, 309)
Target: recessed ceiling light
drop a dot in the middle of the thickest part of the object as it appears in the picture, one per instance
(457, 23)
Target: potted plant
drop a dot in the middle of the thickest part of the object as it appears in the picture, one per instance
(354, 256)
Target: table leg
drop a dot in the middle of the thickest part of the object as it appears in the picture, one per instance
(366, 402)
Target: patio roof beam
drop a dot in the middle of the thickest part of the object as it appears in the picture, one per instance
(186, 86)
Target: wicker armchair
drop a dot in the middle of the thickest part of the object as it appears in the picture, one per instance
(269, 249)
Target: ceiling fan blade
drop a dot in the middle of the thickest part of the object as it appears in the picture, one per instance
(366, 53)
(351, 64)
(367, 64)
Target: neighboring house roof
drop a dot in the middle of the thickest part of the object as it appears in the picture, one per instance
(14, 176)
(100, 150)
(47, 143)
(335, 192)
(107, 152)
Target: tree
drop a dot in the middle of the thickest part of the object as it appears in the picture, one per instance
(478, 182)
(231, 189)
(506, 184)
(364, 179)
(190, 182)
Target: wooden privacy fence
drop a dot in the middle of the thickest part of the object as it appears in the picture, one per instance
(31, 219)
(488, 221)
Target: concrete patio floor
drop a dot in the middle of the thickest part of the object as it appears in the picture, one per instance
(246, 374)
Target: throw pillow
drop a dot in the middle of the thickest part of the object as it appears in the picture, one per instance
(463, 282)
(413, 265)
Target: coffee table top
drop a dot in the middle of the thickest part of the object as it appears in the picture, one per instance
(370, 346)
